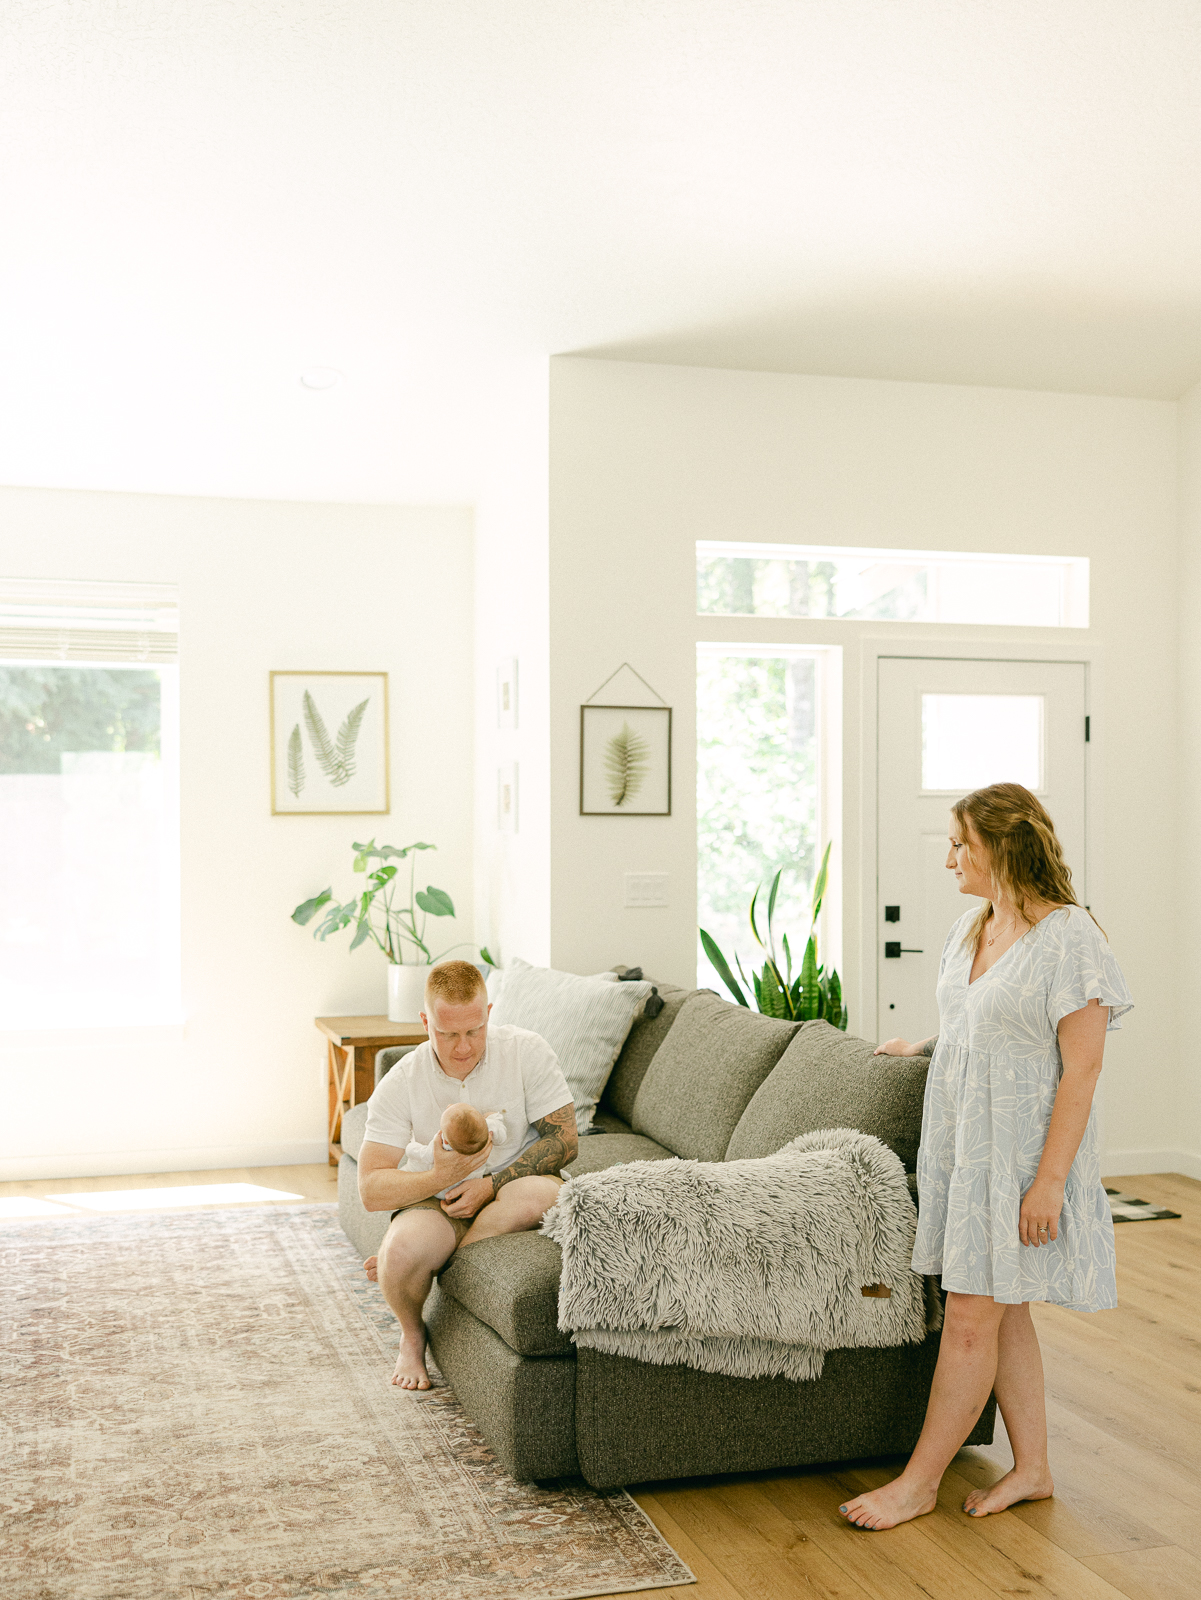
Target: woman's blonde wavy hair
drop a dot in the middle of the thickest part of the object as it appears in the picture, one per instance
(1024, 857)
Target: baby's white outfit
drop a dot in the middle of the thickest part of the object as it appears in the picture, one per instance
(420, 1157)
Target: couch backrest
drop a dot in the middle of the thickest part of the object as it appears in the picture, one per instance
(702, 1077)
(387, 1058)
(642, 1041)
(830, 1079)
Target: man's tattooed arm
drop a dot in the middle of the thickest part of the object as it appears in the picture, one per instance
(556, 1146)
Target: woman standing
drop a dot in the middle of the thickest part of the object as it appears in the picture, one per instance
(1012, 1208)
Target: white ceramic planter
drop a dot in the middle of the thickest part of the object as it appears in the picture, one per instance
(406, 992)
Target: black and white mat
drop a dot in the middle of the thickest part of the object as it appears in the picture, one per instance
(1127, 1208)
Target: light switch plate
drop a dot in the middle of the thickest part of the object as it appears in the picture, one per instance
(646, 888)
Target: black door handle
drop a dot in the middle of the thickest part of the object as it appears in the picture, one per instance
(893, 951)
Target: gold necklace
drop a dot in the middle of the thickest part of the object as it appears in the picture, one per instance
(997, 935)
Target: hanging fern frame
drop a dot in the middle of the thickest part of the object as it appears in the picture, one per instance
(599, 726)
(345, 761)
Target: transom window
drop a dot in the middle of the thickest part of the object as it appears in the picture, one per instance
(736, 579)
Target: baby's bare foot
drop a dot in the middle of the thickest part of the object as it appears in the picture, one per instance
(1032, 1484)
(371, 1268)
(410, 1366)
(898, 1501)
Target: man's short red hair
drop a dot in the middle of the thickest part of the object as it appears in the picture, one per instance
(455, 983)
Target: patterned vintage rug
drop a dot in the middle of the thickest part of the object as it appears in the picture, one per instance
(195, 1406)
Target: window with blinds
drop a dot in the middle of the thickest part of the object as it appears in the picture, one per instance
(89, 804)
(47, 620)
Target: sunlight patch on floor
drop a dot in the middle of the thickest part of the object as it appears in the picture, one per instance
(20, 1205)
(164, 1195)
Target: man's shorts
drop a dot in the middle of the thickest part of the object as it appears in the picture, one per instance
(461, 1225)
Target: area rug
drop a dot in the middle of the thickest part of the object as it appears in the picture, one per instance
(195, 1406)
(1126, 1208)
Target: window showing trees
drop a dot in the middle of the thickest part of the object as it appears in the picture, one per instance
(757, 790)
(89, 853)
(780, 580)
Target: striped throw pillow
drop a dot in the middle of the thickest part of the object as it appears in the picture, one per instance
(584, 1020)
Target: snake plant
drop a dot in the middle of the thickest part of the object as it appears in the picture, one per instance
(812, 993)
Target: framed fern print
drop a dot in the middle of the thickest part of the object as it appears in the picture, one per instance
(329, 744)
(625, 761)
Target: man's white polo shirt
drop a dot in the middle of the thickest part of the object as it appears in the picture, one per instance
(518, 1074)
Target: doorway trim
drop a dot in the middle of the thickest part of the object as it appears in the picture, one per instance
(860, 928)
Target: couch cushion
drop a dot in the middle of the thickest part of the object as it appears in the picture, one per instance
(704, 1073)
(645, 1037)
(354, 1129)
(606, 1122)
(584, 1020)
(829, 1079)
(612, 1149)
(512, 1284)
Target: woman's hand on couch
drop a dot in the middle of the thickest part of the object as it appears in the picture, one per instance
(897, 1047)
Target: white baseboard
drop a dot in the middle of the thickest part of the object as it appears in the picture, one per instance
(1118, 1163)
(202, 1158)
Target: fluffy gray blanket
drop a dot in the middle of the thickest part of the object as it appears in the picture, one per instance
(749, 1268)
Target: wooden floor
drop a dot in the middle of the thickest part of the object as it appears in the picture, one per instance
(313, 1182)
(1124, 1402)
(1124, 1406)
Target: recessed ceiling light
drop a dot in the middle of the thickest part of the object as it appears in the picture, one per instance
(320, 377)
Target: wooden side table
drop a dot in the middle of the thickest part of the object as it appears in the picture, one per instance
(352, 1043)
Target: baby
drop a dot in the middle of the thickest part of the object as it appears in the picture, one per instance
(462, 1129)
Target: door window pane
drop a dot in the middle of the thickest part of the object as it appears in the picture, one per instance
(778, 580)
(756, 795)
(970, 740)
(89, 862)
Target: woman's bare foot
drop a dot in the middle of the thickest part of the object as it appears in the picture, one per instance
(898, 1501)
(371, 1268)
(410, 1366)
(1007, 1491)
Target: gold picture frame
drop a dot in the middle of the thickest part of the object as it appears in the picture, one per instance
(329, 744)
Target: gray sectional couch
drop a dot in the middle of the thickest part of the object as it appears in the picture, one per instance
(708, 1080)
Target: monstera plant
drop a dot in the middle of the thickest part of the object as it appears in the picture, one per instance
(381, 912)
(812, 993)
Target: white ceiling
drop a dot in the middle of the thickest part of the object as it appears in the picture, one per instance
(201, 198)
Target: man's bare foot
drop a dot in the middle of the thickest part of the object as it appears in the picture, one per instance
(896, 1502)
(371, 1268)
(410, 1366)
(1007, 1491)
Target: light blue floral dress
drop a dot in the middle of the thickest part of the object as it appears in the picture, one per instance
(990, 1092)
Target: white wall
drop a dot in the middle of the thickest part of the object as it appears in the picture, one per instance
(647, 459)
(262, 585)
(642, 461)
(1187, 857)
(512, 870)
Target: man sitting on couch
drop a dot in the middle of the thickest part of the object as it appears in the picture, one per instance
(513, 1071)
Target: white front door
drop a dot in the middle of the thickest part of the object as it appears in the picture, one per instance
(947, 727)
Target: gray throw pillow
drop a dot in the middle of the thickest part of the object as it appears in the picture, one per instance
(703, 1075)
(584, 1020)
(830, 1079)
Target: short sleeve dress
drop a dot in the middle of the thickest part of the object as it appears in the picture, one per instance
(990, 1092)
